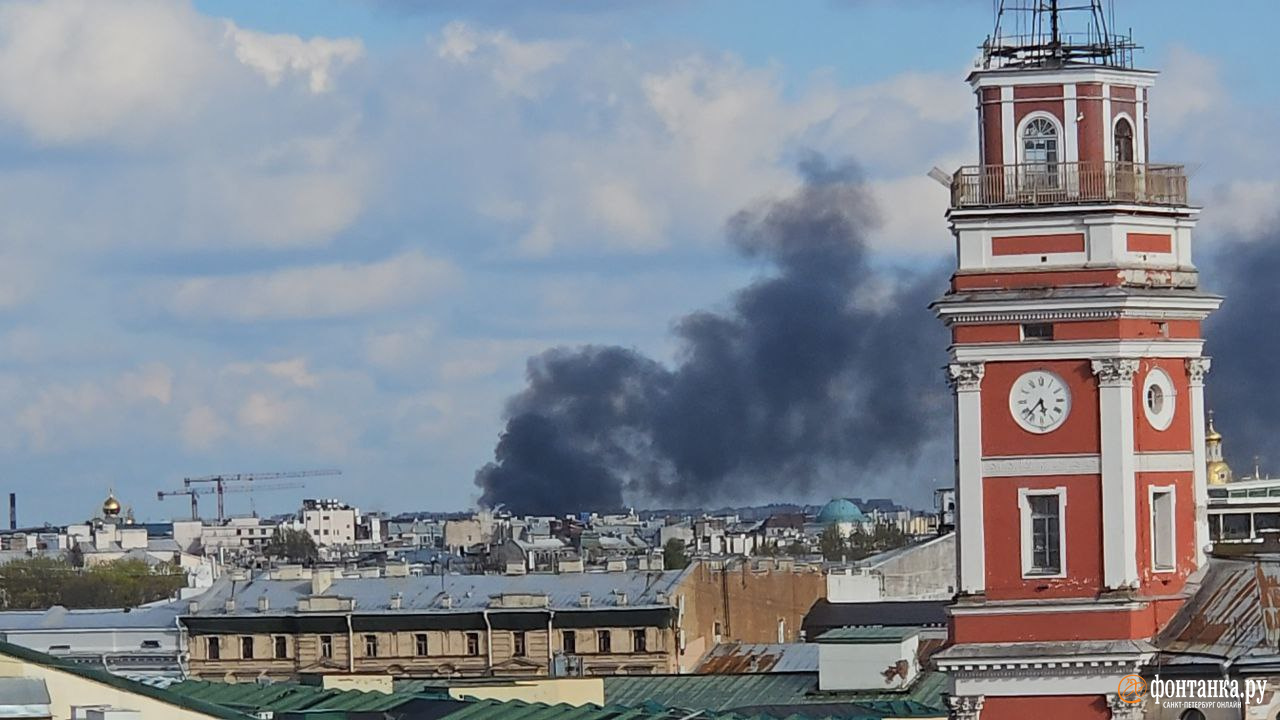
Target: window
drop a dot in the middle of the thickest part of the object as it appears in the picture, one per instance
(326, 646)
(150, 644)
(213, 648)
(569, 641)
(281, 647)
(473, 644)
(1037, 331)
(420, 644)
(604, 641)
(1043, 544)
(638, 641)
(246, 648)
(371, 646)
(517, 643)
(717, 631)
(1191, 714)
(1040, 153)
(1124, 141)
(1162, 529)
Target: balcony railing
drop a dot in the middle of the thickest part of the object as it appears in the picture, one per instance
(1069, 184)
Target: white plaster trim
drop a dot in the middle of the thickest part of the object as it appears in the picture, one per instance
(1205, 303)
(1186, 211)
(1132, 126)
(970, 530)
(1070, 115)
(1173, 527)
(1040, 465)
(1158, 378)
(1047, 607)
(1166, 462)
(1119, 494)
(1057, 128)
(1028, 76)
(1055, 350)
(1024, 507)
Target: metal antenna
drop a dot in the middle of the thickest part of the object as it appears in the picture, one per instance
(1055, 33)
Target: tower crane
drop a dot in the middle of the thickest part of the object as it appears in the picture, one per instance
(196, 492)
(228, 482)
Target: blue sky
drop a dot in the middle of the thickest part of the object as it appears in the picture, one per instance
(240, 235)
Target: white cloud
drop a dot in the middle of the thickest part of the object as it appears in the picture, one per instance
(202, 428)
(513, 65)
(275, 55)
(71, 70)
(321, 291)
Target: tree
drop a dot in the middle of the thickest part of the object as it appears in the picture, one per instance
(832, 543)
(674, 556)
(293, 545)
(42, 582)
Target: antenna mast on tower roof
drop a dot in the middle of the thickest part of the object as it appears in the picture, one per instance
(1056, 33)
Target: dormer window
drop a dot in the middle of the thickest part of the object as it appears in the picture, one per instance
(1040, 153)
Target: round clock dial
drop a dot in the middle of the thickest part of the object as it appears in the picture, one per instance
(1040, 401)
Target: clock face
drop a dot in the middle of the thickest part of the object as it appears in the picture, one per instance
(1040, 401)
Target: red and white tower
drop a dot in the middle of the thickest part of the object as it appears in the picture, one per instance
(1078, 376)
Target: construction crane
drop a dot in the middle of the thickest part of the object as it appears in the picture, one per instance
(225, 483)
(195, 492)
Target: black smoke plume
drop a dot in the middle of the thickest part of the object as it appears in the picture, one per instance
(823, 370)
(1243, 338)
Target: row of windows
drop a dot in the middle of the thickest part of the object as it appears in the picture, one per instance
(1040, 151)
(1044, 542)
(422, 647)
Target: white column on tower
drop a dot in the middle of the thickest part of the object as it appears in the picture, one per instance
(1119, 491)
(1197, 368)
(966, 380)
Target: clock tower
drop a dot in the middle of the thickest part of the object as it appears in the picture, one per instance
(1076, 362)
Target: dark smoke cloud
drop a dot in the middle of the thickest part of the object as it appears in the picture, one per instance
(823, 370)
(1243, 338)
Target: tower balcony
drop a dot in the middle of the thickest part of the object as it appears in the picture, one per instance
(1068, 183)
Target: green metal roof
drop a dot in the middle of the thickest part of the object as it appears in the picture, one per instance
(709, 692)
(513, 710)
(867, 635)
(773, 690)
(119, 683)
(290, 697)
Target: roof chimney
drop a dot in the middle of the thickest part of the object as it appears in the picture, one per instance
(193, 607)
(229, 606)
(397, 601)
(263, 604)
(584, 600)
(321, 579)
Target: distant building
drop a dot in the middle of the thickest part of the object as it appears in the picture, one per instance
(329, 522)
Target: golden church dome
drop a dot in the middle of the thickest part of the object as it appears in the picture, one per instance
(1217, 469)
(111, 507)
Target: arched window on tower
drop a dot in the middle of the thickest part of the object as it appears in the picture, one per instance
(1191, 714)
(1040, 154)
(1126, 172)
(1124, 141)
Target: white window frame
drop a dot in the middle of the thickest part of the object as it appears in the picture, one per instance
(1024, 510)
(1161, 420)
(1152, 491)
(1115, 123)
(1022, 129)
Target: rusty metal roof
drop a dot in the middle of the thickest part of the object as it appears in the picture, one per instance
(747, 658)
(1234, 611)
